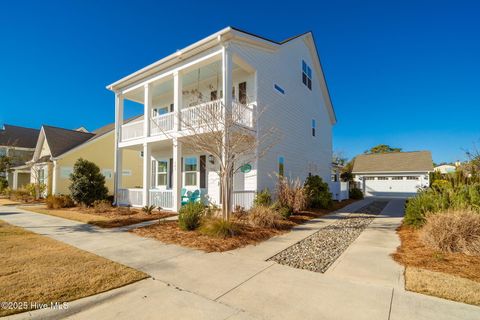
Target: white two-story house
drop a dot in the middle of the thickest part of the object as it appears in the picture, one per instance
(282, 81)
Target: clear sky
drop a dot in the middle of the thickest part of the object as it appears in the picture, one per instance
(405, 74)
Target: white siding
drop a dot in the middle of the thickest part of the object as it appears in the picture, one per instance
(291, 113)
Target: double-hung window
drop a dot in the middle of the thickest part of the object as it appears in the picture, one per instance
(306, 75)
(162, 173)
(190, 166)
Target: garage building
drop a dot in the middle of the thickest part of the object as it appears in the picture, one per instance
(396, 174)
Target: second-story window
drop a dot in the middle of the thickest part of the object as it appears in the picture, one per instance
(314, 127)
(306, 75)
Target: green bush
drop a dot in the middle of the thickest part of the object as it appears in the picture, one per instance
(318, 193)
(441, 197)
(190, 216)
(356, 194)
(220, 228)
(3, 184)
(262, 198)
(148, 209)
(285, 212)
(88, 184)
(36, 189)
(59, 201)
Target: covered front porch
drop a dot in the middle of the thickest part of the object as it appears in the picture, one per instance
(174, 174)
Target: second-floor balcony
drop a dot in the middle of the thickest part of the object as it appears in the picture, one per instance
(199, 115)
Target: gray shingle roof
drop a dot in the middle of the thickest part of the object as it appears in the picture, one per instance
(394, 162)
(16, 136)
(61, 140)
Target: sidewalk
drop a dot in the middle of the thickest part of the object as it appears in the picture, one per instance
(363, 283)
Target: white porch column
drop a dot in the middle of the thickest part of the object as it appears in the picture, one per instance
(147, 173)
(147, 105)
(177, 99)
(177, 174)
(117, 182)
(15, 180)
(227, 83)
(227, 86)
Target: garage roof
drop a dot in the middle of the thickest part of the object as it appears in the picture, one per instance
(417, 161)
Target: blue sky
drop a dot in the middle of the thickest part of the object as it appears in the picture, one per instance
(404, 73)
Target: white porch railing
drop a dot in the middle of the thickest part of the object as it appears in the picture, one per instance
(161, 123)
(132, 130)
(201, 114)
(243, 199)
(161, 198)
(242, 114)
(132, 197)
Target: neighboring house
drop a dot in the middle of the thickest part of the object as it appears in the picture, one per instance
(445, 168)
(393, 174)
(283, 82)
(18, 143)
(57, 150)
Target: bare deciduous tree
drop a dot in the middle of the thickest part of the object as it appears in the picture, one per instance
(230, 135)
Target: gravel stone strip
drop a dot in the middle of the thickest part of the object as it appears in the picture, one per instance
(318, 251)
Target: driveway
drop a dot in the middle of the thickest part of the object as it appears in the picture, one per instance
(364, 282)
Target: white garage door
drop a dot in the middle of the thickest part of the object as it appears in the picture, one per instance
(392, 186)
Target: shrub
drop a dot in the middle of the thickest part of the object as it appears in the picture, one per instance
(36, 190)
(148, 209)
(3, 184)
(220, 228)
(88, 184)
(356, 194)
(125, 210)
(59, 201)
(262, 198)
(285, 212)
(263, 217)
(101, 206)
(453, 231)
(19, 195)
(291, 195)
(318, 193)
(190, 215)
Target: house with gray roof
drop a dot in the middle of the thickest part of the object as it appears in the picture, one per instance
(397, 174)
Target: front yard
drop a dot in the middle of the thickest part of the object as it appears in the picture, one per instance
(453, 276)
(108, 218)
(38, 269)
(170, 232)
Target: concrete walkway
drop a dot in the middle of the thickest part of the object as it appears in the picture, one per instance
(364, 283)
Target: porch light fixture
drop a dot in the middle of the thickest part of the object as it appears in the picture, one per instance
(211, 159)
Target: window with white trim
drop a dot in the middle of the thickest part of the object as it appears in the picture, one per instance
(306, 75)
(314, 127)
(162, 173)
(190, 167)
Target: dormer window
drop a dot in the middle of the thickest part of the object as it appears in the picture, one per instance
(306, 75)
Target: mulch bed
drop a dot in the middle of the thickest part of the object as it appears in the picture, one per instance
(169, 231)
(414, 253)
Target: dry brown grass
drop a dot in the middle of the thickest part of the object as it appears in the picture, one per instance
(442, 285)
(109, 219)
(453, 231)
(169, 231)
(263, 217)
(35, 268)
(448, 275)
(7, 202)
(414, 253)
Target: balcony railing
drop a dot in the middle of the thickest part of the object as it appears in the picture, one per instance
(132, 130)
(161, 124)
(194, 116)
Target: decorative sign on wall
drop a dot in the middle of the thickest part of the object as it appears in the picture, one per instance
(246, 168)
